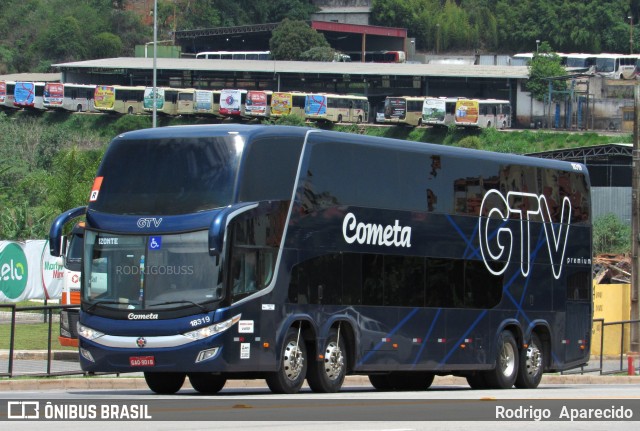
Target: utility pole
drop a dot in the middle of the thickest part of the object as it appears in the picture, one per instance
(635, 222)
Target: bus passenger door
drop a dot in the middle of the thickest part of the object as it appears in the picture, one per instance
(577, 338)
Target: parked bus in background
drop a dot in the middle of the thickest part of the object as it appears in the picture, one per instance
(336, 108)
(166, 100)
(288, 103)
(439, 111)
(71, 256)
(232, 103)
(288, 253)
(483, 113)
(235, 55)
(379, 56)
(616, 66)
(403, 110)
(119, 99)
(258, 103)
(69, 97)
(586, 62)
(7, 89)
(29, 95)
(199, 102)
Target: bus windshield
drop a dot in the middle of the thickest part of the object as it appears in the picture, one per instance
(135, 272)
(178, 176)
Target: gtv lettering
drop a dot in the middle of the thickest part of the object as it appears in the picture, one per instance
(149, 222)
(496, 245)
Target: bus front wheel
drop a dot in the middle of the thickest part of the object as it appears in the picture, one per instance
(293, 365)
(164, 383)
(506, 370)
(327, 375)
(207, 383)
(531, 364)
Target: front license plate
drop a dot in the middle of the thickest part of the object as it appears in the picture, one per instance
(142, 361)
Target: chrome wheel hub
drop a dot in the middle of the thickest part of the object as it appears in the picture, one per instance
(333, 361)
(293, 361)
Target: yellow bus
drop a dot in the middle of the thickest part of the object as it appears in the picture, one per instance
(166, 100)
(288, 103)
(403, 110)
(119, 99)
(199, 102)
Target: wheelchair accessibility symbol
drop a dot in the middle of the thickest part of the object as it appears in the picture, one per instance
(155, 242)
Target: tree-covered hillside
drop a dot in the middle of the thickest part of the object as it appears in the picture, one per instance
(37, 33)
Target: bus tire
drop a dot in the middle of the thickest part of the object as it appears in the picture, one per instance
(477, 380)
(164, 383)
(130, 110)
(503, 376)
(531, 364)
(412, 381)
(488, 124)
(339, 118)
(402, 381)
(328, 374)
(504, 125)
(79, 108)
(381, 382)
(359, 119)
(207, 383)
(292, 369)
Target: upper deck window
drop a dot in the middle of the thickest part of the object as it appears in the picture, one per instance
(167, 176)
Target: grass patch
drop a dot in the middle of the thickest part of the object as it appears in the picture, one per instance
(32, 336)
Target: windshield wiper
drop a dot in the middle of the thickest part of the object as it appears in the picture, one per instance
(182, 301)
(106, 301)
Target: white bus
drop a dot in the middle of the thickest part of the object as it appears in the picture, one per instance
(235, 55)
(461, 112)
(69, 97)
(616, 66)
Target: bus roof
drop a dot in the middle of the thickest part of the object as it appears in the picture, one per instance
(251, 131)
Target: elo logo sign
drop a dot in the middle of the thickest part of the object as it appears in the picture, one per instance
(13, 271)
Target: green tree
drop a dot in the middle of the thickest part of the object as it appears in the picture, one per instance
(291, 38)
(545, 68)
(610, 235)
(318, 53)
(105, 45)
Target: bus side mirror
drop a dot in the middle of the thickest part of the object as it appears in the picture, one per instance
(218, 227)
(55, 233)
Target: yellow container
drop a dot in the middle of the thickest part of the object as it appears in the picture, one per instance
(611, 302)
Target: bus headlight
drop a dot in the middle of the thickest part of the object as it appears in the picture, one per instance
(211, 330)
(88, 333)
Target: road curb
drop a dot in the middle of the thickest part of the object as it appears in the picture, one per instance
(138, 383)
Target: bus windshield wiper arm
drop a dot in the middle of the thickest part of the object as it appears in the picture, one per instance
(182, 301)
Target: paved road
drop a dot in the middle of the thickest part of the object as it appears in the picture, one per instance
(357, 407)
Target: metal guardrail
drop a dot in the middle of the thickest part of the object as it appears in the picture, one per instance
(57, 363)
(610, 368)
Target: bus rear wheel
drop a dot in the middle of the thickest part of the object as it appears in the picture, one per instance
(531, 364)
(503, 376)
(328, 374)
(207, 383)
(293, 365)
(164, 383)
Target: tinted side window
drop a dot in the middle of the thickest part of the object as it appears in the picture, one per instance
(269, 169)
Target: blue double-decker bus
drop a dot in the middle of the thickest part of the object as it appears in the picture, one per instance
(288, 253)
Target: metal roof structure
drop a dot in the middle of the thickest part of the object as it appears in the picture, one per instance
(595, 152)
(300, 67)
